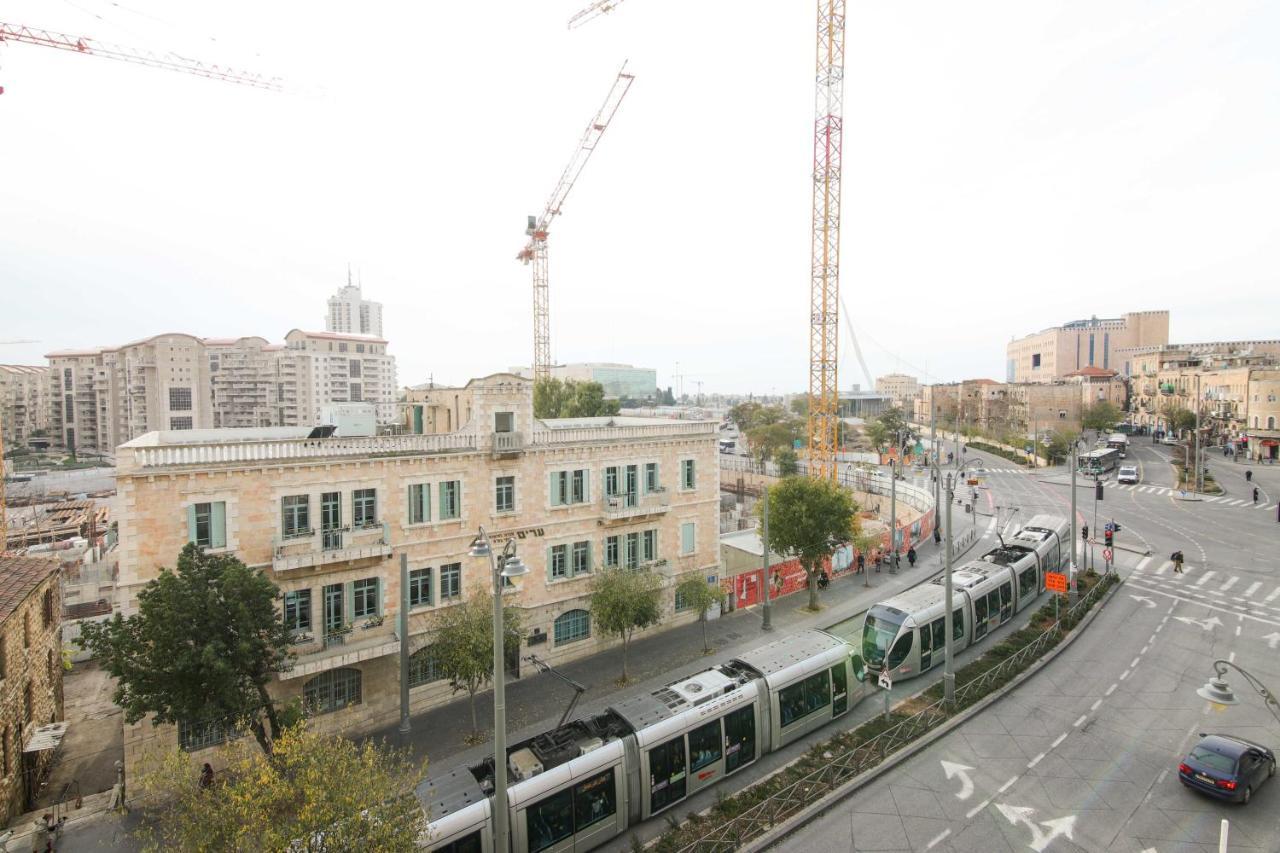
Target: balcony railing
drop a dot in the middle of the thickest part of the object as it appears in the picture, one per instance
(620, 507)
(326, 547)
(507, 442)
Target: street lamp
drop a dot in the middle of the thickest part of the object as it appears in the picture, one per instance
(1217, 691)
(502, 567)
(948, 669)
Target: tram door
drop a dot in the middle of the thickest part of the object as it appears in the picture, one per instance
(933, 639)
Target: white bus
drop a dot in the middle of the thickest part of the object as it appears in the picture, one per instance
(1095, 463)
(1119, 441)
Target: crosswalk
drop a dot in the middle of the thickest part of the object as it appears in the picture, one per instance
(1220, 500)
(1212, 586)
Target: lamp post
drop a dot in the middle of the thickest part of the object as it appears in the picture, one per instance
(893, 503)
(1217, 691)
(502, 567)
(948, 669)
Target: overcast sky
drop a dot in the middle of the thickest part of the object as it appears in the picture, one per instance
(1008, 166)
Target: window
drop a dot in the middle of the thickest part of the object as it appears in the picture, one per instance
(69, 409)
(902, 648)
(47, 608)
(558, 562)
(704, 745)
(568, 487)
(180, 423)
(571, 811)
(804, 698)
(651, 477)
(687, 479)
(332, 691)
(201, 735)
(611, 551)
(364, 507)
(4, 747)
(739, 738)
(419, 503)
(419, 587)
(632, 542)
(450, 499)
(957, 625)
(297, 611)
(682, 603)
(667, 776)
(649, 545)
(353, 369)
(594, 800)
(48, 668)
(66, 378)
(686, 538)
(366, 602)
(504, 494)
(353, 393)
(179, 399)
(4, 658)
(28, 704)
(1035, 361)
(26, 630)
(424, 667)
(581, 558)
(504, 421)
(572, 626)
(840, 689)
(450, 581)
(207, 524)
(611, 481)
(578, 486)
(295, 516)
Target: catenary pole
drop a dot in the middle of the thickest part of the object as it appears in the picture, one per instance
(767, 625)
(404, 644)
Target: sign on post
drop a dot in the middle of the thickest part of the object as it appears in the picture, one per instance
(1107, 554)
(885, 682)
(1056, 582)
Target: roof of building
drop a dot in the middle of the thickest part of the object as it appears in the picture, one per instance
(73, 353)
(25, 369)
(19, 576)
(1090, 370)
(339, 336)
(230, 342)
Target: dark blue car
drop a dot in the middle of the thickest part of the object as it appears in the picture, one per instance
(1227, 767)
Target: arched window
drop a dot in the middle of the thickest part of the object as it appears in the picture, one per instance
(332, 691)
(573, 625)
(424, 667)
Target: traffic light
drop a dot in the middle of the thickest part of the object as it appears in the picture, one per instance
(1084, 532)
(1108, 536)
(1097, 491)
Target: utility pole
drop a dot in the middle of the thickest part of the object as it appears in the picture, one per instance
(1072, 526)
(948, 670)
(893, 506)
(933, 452)
(764, 562)
(1199, 485)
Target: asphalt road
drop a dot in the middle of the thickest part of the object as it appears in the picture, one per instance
(1083, 756)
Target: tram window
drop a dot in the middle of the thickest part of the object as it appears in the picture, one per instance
(739, 738)
(839, 689)
(940, 632)
(980, 609)
(594, 800)
(550, 820)
(902, 648)
(704, 745)
(1006, 595)
(802, 699)
(859, 668)
(1027, 582)
(467, 844)
(926, 640)
(957, 624)
(666, 774)
(1055, 555)
(993, 603)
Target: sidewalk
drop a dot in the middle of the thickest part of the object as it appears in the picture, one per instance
(535, 703)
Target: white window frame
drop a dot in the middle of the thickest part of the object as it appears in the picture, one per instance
(497, 509)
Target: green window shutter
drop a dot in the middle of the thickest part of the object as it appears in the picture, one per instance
(657, 474)
(191, 523)
(586, 485)
(552, 488)
(590, 546)
(218, 525)
(409, 502)
(550, 562)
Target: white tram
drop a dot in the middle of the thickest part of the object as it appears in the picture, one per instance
(905, 635)
(573, 788)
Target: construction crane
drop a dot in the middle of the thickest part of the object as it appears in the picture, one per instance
(535, 251)
(824, 283)
(169, 61)
(592, 12)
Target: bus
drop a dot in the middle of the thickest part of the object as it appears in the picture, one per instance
(1095, 463)
(1120, 442)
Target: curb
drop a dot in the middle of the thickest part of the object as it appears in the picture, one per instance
(807, 814)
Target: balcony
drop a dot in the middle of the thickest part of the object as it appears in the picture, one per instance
(327, 547)
(507, 444)
(626, 507)
(361, 642)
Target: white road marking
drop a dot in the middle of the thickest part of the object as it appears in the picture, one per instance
(1144, 649)
(1231, 658)
(1251, 589)
(1177, 597)
(1142, 564)
(952, 770)
(1111, 689)
(1079, 721)
(1095, 705)
(1235, 579)
(1205, 577)
(1059, 739)
(982, 805)
(1164, 567)
(1275, 593)
(1134, 663)
(1032, 763)
(1237, 630)
(937, 839)
(1124, 675)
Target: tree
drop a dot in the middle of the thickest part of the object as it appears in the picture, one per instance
(800, 407)
(894, 421)
(807, 519)
(767, 439)
(788, 462)
(463, 646)
(1101, 416)
(700, 596)
(315, 792)
(624, 601)
(1062, 443)
(204, 644)
(743, 415)
(879, 435)
(1179, 419)
(668, 399)
(553, 398)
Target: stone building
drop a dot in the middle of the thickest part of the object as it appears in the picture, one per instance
(430, 408)
(351, 314)
(327, 520)
(1049, 355)
(903, 389)
(30, 677)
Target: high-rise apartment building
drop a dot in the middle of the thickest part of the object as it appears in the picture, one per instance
(351, 314)
(327, 367)
(25, 404)
(1050, 355)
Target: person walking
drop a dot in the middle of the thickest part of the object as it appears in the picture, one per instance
(862, 563)
(911, 556)
(1248, 475)
(1255, 494)
(1177, 562)
(937, 536)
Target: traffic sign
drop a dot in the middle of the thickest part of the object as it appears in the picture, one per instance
(1110, 527)
(1055, 582)
(1107, 554)
(885, 682)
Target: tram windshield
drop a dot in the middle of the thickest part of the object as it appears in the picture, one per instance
(878, 633)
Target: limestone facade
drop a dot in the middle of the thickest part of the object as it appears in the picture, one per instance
(25, 404)
(1049, 355)
(328, 519)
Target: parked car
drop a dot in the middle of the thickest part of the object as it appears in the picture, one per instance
(1128, 474)
(1227, 767)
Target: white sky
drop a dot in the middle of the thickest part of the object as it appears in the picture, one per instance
(1008, 166)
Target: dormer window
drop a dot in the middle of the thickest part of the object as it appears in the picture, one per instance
(504, 421)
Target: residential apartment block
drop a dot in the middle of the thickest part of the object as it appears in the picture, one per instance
(328, 519)
(997, 407)
(101, 398)
(25, 404)
(1050, 355)
(30, 677)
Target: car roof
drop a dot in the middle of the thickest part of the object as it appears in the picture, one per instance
(1228, 745)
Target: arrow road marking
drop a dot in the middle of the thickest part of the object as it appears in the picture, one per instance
(1039, 839)
(1207, 624)
(1273, 639)
(962, 770)
(1146, 602)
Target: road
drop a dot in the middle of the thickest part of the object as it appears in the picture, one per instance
(1083, 755)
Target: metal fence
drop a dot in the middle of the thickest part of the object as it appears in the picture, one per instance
(780, 805)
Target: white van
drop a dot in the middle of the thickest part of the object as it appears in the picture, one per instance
(1128, 474)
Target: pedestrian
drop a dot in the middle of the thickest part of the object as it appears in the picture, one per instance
(937, 536)
(862, 563)
(875, 558)
(206, 776)
(1255, 494)
(1176, 556)
(1248, 475)
(911, 556)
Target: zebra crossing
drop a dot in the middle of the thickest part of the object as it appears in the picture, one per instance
(1220, 500)
(1215, 587)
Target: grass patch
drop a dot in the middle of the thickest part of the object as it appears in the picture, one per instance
(1011, 455)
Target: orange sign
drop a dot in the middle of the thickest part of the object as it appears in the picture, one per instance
(1056, 582)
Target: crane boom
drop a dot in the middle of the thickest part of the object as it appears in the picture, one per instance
(535, 251)
(592, 12)
(169, 61)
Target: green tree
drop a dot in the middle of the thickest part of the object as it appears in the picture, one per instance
(204, 644)
(800, 407)
(314, 793)
(788, 462)
(1062, 443)
(624, 601)
(894, 421)
(463, 646)
(553, 398)
(807, 519)
(1101, 416)
(1179, 419)
(699, 596)
(767, 439)
(743, 415)
(879, 435)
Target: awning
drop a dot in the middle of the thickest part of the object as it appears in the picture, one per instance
(46, 737)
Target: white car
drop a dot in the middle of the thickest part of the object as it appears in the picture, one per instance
(1128, 474)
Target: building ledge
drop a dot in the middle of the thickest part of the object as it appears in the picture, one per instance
(347, 654)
